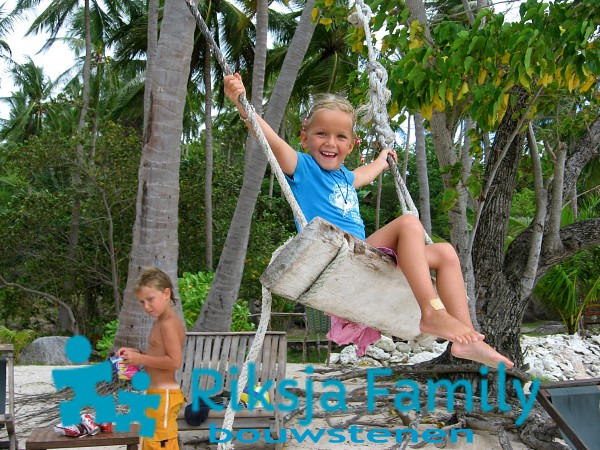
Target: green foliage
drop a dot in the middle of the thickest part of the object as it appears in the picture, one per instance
(240, 320)
(106, 342)
(272, 225)
(471, 69)
(569, 287)
(35, 221)
(227, 181)
(193, 289)
(19, 339)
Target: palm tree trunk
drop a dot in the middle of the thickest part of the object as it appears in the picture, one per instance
(155, 238)
(79, 158)
(421, 158)
(150, 59)
(208, 171)
(216, 312)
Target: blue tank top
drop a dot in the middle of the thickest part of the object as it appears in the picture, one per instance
(328, 194)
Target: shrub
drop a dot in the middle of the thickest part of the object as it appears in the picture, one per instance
(18, 339)
(193, 290)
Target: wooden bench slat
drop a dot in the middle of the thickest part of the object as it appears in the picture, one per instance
(222, 351)
(46, 438)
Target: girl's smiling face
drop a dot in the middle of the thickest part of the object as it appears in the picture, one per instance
(153, 301)
(329, 138)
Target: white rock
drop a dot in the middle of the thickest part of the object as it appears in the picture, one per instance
(561, 357)
(426, 341)
(415, 347)
(439, 347)
(421, 357)
(348, 355)
(400, 358)
(386, 344)
(366, 361)
(403, 347)
(334, 358)
(578, 345)
(565, 364)
(377, 353)
(549, 363)
(550, 358)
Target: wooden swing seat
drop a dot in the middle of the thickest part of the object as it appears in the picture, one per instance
(356, 281)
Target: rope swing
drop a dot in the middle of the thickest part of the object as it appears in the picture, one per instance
(339, 250)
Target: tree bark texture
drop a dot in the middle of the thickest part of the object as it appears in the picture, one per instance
(208, 150)
(497, 292)
(150, 60)
(421, 158)
(155, 239)
(502, 296)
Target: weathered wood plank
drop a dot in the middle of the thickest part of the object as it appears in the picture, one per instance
(303, 258)
(363, 285)
(221, 351)
(46, 438)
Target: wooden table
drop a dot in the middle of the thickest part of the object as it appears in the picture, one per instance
(45, 438)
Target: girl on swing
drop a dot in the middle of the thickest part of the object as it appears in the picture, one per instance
(324, 187)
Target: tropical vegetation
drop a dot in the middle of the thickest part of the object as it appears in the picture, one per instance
(139, 161)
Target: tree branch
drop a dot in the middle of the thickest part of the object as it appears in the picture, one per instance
(586, 149)
(537, 225)
(6, 284)
(492, 174)
(575, 237)
(552, 241)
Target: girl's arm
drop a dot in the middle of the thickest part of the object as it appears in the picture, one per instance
(285, 155)
(363, 175)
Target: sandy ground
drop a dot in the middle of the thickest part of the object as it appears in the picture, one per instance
(35, 380)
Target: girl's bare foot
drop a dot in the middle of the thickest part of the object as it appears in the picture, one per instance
(480, 352)
(440, 323)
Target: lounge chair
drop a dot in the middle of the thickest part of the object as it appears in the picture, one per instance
(575, 407)
(7, 408)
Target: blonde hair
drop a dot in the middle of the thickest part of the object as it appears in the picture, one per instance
(155, 278)
(330, 102)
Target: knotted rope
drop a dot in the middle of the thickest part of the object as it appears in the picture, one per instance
(376, 109)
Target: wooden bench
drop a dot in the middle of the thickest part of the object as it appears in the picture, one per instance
(220, 352)
(45, 438)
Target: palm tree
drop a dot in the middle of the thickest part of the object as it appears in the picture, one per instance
(155, 237)
(570, 286)
(29, 105)
(53, 19)
(6, 24)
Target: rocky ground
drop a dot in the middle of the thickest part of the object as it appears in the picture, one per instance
(553, 357)
(549, 358)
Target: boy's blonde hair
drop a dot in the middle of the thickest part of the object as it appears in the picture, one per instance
(155, 278)
(330, 102)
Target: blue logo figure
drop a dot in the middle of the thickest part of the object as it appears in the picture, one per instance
(83, 382)
(137, 406)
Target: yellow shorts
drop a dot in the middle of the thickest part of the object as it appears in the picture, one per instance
(165, 433)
